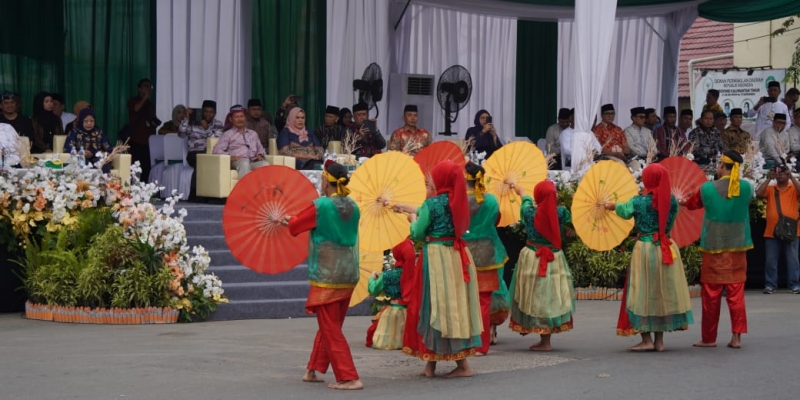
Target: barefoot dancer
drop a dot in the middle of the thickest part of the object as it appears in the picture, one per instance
(657, 296)
(333, 273)
(542, 290)
(484, 244)
(386, 332)
(725, 241)
(449, 324)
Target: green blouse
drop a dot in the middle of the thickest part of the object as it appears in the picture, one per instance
(640, 208)
(482, 239)
(388, 283)
(433, 219)
(528, 211)
(333, 248)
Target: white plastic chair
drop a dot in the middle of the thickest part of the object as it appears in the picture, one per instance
(542, 144)
(157, 160)
(178, 173)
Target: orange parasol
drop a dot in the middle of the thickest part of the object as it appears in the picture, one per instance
(605, 182)
(686, 178)
(437, 152)
(252, 217)
(378, 184)
(519, 164)
(368, 262)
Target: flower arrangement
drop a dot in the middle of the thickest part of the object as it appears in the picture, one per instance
(58, 218)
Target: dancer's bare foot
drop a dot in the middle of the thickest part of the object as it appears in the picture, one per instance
(736, 341)
(430, 370)
(704, 344)
(541, 346)
(658, 343)
(479, 354)
(347, 385)
(643, 346)
(463, 370)
(311, 377)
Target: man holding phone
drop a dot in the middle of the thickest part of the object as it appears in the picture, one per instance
(766, 108)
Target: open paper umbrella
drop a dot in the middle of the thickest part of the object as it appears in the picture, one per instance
(515, 164)
(252, 217)
(437, 152)
(604, 182)
(378, 184)
(686, 178)
(368, 261)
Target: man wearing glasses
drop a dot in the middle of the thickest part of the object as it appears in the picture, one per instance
(242, 144)
(611, 136)
(637, 135)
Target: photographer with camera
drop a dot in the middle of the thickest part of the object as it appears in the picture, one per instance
(142, 122)
(767, 107)
(484, 134)
(781, 233)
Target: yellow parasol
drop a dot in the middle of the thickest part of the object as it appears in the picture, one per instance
(517, 164)
(381, 182)
(369, 261)
(604, 182)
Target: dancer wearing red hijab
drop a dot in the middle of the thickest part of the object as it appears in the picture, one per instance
(657, 298)
(449, 321)
(542, 292)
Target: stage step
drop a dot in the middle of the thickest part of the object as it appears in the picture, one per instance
(251, 295)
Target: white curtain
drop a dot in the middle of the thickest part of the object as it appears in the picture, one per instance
(533, 12)
(203, 52)
(634, 74)
(591, 44)
(431, 39)
(358, 34)
(678, 22)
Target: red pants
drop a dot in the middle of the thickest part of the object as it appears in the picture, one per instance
(371, 332)
(712, 297)
(486, 335)
(330, 345)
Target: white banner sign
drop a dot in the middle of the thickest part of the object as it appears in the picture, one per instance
(737, 89)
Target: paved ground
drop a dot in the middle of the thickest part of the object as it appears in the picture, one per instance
(264, 359)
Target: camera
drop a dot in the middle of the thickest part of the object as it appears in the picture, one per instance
(769, 99)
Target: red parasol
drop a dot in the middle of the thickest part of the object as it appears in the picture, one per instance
(437, 152)
(686, 178)
(252, 217)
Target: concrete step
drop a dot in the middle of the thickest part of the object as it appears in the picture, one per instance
(266, 290)
(201, 212)
(203, 228)
(215, 242)
(221, 257)
(238, 273)
(283, 308)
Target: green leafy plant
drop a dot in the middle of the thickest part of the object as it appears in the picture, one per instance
(692, 258)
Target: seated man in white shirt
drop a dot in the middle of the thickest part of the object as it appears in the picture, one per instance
(775, 143)
(242, 144)
(638, 136)
(9, 146)
(587, 144)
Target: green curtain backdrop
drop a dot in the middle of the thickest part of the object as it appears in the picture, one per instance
(108, 49)
(537, 75)
(31, 48)
(289, 54)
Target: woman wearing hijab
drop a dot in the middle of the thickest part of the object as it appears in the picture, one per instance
(85, 134)
(657, 296)
(45, 123)
(484, 134)
(488, 252)
(541, 289)
(178, 114)
(295, 141)
(333, 273)
(449, 325)
(345, 117)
